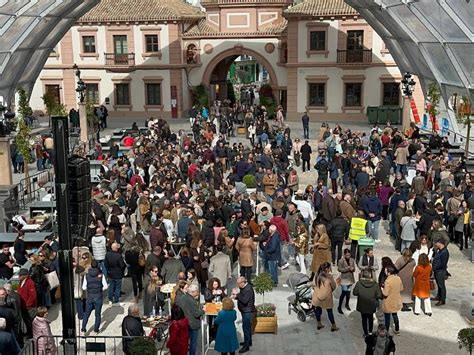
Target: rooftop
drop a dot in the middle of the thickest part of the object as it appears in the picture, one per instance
(141, 10)
(205, 29)
(321, 8)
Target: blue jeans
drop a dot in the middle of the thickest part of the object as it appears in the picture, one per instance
(306, 132)
(247, 328)
(273, 269)
(331, 153)
(395, 320)
(402, 168)
(374, 229)
(193, 339)
(102, 267)
(80, 307)
(93, 303)
(115, 287)
(39, 164)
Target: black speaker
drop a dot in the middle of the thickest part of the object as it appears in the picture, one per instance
(80, 191)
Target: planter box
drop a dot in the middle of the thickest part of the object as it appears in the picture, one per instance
(241, 130)
(265, 324)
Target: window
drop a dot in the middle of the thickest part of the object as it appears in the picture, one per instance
(355, 40)
(92, 93)
(151, 43)
(54, 91)
(391, 94)
(122, 94)
(88, 44)
(353, 94)
(317, 95)
(317, 40)
(153, 94)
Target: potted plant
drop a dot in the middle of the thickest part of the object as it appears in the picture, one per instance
(143, 346)
(249, 181)
(466, 339)
(266, 320)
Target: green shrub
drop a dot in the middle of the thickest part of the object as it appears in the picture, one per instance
(200, 96)
(249, 181)
(466, 339)
(143, 346)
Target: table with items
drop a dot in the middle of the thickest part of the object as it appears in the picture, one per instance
(158, 325)
(210, 310)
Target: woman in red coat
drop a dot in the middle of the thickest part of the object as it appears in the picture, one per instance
(178, 332)
(421, 288)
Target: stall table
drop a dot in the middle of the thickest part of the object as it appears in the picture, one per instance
(211, 309)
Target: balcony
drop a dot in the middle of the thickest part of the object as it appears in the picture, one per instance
(354, 57)
(119, 60)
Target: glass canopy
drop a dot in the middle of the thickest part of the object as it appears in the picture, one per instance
(29, 31)
(433, 39)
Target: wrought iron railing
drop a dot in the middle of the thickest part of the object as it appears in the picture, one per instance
(115, 59)
(355, 56)
(29, 187)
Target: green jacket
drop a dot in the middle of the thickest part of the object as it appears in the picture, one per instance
(191, 309)
(368, 293)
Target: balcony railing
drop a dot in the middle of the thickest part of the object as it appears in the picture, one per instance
(115, 59)
(362, 56)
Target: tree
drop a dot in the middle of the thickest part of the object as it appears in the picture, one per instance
(53, 107)
(262, 283)
(267, 99)
(433, 95)
(23, 138)
(200, 96)
(466, 339)
(464, 116)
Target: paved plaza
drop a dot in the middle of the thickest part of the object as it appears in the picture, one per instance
(419, 334)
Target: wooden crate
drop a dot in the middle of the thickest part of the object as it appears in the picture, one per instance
(241, 130)
(265, 325)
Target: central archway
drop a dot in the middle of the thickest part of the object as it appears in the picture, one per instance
(235, 52)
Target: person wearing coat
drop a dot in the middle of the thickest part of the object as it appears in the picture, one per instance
(368, 295)
(346, 266)
(405, 265)
(131, 327)
(321, 248)
(178, 332)
(301, 242)
(199, 257)
(226, 337)
(393, 299)
(153, 298)
(269, 182)
(42, 334)
(421, 287)
(323, 288)
(408, 225)
(8, 343)
(382, 339)
(220, 266)
(368, 262)
(246, 247)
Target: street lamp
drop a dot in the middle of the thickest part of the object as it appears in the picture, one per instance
(408, 84)
(81, 86)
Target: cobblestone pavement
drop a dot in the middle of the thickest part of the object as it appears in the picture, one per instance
(419, 334)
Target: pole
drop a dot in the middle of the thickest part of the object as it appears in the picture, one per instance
(61, 149)
(468, 136)
(406, 114)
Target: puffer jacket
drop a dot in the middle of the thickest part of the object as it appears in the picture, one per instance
(43, 336)
(338, 228)
(99, 249)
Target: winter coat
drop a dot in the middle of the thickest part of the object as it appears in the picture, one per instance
(368, 293)
(306, 151)
(347, 276)
(191, 309)
(405, 272)
(328, 208)
(27, 292)
(270, 182)
(272, 249)
(282, 227)
(371, 341)
(246, 247)
(338, 228)
(408, 225)
(132, 258)
(8, 343)
(421, 287)
(220, 267)
(178, 337)
(401, 155)
(321, 253)
(99, 249)
(171, 268)
(393, 287)
(43, 336)
(115, 265)
(373, 205)
(152, 299)
(347, 211)
(226, 337)
(131, 326)
(322, 295)
(426, 220)
(201, 273)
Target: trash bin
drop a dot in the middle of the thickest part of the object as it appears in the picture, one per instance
(365, 243)
(394, 114)
(372, 114)
(382, 115)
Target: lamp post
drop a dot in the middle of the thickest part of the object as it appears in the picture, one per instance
(81, 92)
(408, 85)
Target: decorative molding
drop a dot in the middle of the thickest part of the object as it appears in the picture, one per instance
(317, 24)
(353, 78)
(237, 17)
(269, 47)
(151, 28)
(208, 48)
(87, 29)
(214, 19)
(317, 78)
(270, 17)
(121, 80)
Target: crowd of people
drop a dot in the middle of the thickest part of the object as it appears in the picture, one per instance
(229, 203)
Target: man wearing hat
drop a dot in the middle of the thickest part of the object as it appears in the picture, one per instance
(440, 269)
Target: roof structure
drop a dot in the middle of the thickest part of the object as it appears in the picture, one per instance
(29, 31)
(204, 29)
(142, 10)
(433, 39)
(321, 8)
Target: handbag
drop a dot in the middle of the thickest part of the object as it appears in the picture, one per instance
(205, 264)
(432, 285)
(52, 279)
(141, 259)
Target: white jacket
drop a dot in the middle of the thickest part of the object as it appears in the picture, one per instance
(99, 247)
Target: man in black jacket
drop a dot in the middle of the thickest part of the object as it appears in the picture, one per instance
(380, 339)
(338, 231)
(115, 267)
(131, 326)
(440, 269)
(246, 304)
(306, 154)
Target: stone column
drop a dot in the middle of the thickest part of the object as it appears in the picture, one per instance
(83, 124)
(5, 162)
(406, 113)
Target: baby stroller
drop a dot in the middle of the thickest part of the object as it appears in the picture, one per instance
(301, 301)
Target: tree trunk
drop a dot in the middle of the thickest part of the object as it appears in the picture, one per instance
(27, 179)
(468, 140)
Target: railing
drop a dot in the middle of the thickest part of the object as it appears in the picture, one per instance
(114, 59)
(356, 56)
(86, 344)
(29, 188)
